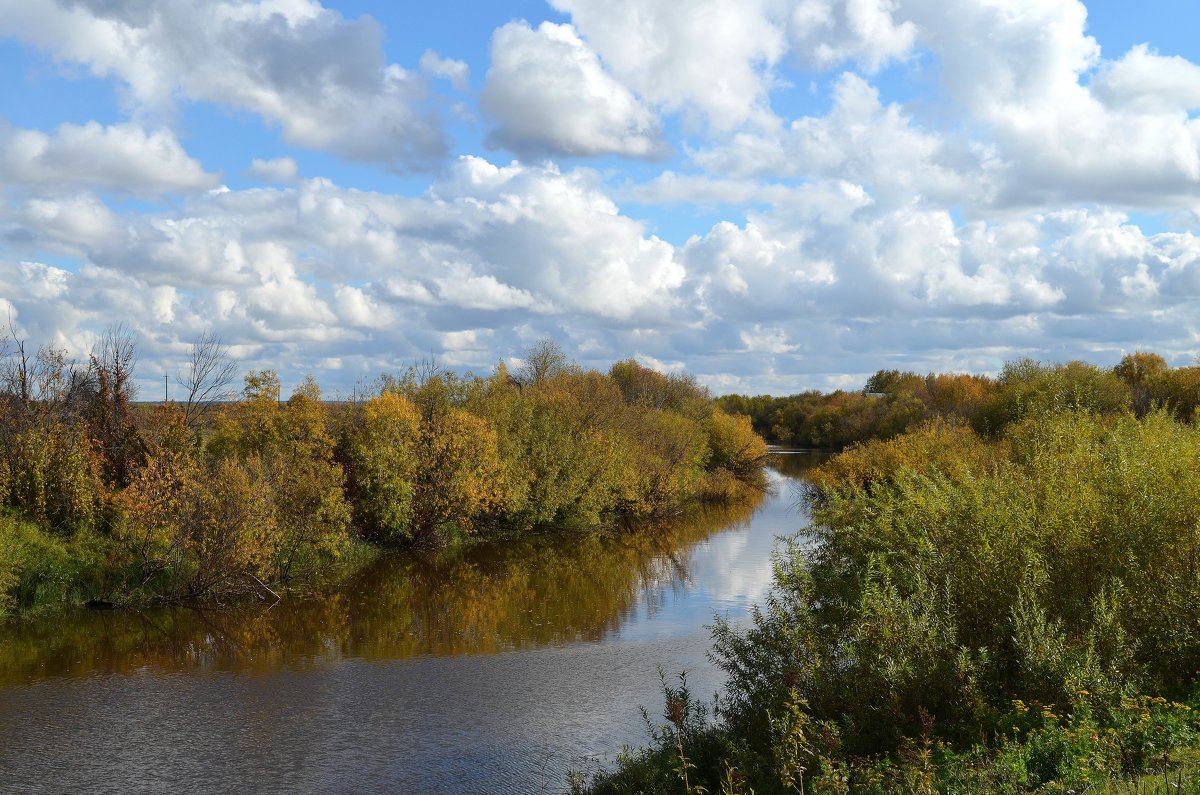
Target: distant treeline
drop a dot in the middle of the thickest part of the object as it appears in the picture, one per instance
(895, 401)
(225, 492)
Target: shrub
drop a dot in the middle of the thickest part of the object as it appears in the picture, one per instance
(993, 615)
(381, 466)
(39, 569)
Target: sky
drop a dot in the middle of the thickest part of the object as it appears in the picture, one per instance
(771, 195)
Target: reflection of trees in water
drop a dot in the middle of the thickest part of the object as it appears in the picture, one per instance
(796, 463)
(482, 599)
(667, 572)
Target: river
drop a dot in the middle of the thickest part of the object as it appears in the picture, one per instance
(494, 669)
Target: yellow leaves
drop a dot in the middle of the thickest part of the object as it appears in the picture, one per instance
(670, 452)
(383, 460)
(210, 529)
(54, 475)
(458, 472)
(261, 386)
(940, 446)
(240, 533)
(293, 448)
(734, 444)
(154, 503)
(392, 416)
(565, 447)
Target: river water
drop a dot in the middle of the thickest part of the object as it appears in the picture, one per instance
(491, 670)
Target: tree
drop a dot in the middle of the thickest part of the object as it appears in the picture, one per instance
(544, 359)
(381, 465)
(1027, 388)
(51, 468)
(208, 530)
(649, 388)
(110, 374)
(458, 473)
(209, 379)
(1139, 367)
(1140, 370)
(313, 515)
(296, 452)
(670, 451)
(1177, 389)
(891, 382)
(734, 444)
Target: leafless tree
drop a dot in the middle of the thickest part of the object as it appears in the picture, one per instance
(210, 378)
(113, 359)
(544, 359)
(46, 381)
(15, 365)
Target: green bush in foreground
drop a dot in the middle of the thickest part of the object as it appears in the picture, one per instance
(966, 615)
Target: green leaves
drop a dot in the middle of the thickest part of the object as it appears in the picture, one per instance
(1004, 600)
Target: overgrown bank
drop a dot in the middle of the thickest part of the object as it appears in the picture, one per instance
(106, 500)
(967, 614)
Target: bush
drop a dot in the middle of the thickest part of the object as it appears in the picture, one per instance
(1032, 389)
(38, 569)
(381, 466)
(1006, 614)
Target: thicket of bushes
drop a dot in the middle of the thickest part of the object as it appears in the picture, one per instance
(225, 493)
(1016, 612)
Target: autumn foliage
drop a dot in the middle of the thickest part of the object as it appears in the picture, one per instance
(181, 501)
(892, 401)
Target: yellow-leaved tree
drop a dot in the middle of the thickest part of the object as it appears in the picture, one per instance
(737, 456)
(198, 530)
(381, 453)
(458, 474)
(296, 452)
(670, 452)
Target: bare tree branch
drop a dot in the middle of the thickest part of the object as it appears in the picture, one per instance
(210, 378)
(544, 359)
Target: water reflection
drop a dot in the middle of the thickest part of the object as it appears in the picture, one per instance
(546, 590)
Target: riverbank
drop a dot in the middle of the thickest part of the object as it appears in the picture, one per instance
(107, 502)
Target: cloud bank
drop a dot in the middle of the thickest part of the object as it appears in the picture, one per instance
(1030, 194)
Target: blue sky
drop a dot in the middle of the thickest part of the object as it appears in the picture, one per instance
(774, 195)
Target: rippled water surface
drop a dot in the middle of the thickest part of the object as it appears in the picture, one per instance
(494, 669)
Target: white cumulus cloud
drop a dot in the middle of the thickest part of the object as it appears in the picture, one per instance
(711, 56)
(322, 78)
(123, 158)
(548, 93)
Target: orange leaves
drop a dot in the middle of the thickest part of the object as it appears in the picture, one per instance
(210, 530)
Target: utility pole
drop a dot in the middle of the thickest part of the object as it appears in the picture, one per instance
(166, 396)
